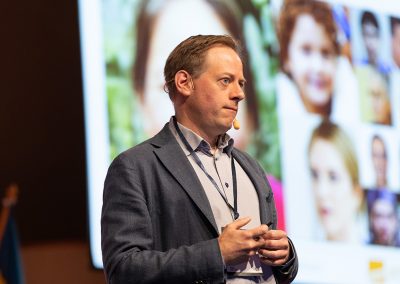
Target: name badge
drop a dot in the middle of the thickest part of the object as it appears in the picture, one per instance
(250, 268)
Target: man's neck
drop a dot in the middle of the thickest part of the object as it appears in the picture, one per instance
(212, 139)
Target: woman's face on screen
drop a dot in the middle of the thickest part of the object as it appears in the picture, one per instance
(312, 63)
(178, 20)
(335, 197)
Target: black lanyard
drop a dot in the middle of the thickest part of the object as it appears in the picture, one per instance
(200, 164)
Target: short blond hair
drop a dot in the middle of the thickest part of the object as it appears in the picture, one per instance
(332, 133)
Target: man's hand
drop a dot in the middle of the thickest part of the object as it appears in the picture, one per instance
(237, 245)
(276, 248)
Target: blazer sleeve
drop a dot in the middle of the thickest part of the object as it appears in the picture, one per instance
(127, 238)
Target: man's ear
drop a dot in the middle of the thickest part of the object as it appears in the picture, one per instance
(184, 83)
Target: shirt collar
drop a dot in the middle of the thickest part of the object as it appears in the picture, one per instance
(224, 142)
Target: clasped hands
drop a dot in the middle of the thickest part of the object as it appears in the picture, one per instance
(237, 244)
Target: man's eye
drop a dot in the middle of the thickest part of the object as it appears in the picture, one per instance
(226, 81)
(242, 85)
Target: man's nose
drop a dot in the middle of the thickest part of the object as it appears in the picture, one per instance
(238, 92)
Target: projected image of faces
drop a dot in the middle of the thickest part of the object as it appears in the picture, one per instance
(335, 182)
(321, 112)
(339, 61)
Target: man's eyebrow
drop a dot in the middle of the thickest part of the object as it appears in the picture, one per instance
(243, 80)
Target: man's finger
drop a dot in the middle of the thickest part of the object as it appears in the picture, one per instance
(273, 255)
(239, 223)
(258, 232)
(275, 235)
(276, 244)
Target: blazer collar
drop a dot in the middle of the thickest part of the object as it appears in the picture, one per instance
(173, 158)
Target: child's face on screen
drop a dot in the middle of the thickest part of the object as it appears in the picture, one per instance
(333, 189)
(312, 63)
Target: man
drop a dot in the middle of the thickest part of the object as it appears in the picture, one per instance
(171, 205)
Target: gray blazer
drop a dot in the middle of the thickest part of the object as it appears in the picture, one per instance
(157, 225)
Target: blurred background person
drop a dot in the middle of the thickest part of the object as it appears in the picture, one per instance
(383, 218)
(379, 161)
(308, 52)
(335, 182)
(395, 32)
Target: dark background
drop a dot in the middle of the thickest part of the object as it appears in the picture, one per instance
(41, 118)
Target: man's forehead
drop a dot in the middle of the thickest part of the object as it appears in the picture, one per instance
(222, 54)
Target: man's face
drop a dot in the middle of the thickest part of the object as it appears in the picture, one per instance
(370, 35)
(396, 45)
(214, 100)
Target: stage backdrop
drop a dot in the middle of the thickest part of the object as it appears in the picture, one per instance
(322, 114)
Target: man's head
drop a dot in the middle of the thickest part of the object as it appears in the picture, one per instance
(395, 30)
(190, 55)
(204, 78)
(370, 33)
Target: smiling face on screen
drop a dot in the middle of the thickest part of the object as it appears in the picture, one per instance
(311, 63)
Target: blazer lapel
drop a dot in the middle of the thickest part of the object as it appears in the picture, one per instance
(173, 158)
(259, 185)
